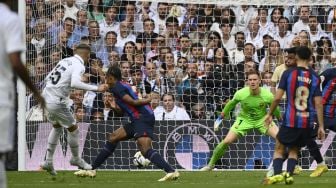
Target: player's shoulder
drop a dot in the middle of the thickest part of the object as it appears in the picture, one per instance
(329, 72)
(243, 90)
(5, 12)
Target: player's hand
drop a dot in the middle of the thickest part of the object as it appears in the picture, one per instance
(321, 133)
(102, 87)
(222, 115)
(280, 118)
(268, 120)
(40, 100)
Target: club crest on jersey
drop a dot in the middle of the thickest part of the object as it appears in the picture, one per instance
(189, 145)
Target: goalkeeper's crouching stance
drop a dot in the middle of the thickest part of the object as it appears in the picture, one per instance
(141, 127)
(254, 101)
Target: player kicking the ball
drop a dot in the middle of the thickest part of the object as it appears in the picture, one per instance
(254, 101)
(141, 127)
(66, 75)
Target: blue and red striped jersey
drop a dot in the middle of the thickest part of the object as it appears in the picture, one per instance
(329, 92)
(301, 86)
(119, 91)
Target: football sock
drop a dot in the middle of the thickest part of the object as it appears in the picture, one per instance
(277, 165)
(104, 154)
(291, 163)
(218, 153)
(3, 181)
(73, 139)
(314, 151)
(157, 159)
(53, 138)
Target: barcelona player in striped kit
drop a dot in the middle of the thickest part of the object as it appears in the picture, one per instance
(140, 128)
(328, 78)
(304, 102)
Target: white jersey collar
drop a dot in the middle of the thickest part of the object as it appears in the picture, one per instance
(80, 58)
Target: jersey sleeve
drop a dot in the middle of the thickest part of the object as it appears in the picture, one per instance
(232, 103)
(14, 35)
(119, 90)
(317, 91)
(76, 79)
(283, 80)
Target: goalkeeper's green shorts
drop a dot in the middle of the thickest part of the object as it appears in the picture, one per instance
(241, 126)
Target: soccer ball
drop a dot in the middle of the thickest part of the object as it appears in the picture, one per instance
(140, 161)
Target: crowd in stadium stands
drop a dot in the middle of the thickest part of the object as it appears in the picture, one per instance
(195, 56)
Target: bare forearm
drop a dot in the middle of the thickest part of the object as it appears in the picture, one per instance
(273, 106)
(319, 110)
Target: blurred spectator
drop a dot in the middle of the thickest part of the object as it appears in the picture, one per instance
(109, 23)
(125, 68)
(113, 58)
(314, 33)
(96, 41)
(262, 52)
(200, 34)
(237, 54)
(39, 38)
(226, 13)
(81, 29)
(169, 111)
(189, 21)
(125, 35)
(184, 50)
(273, 58)
(213, 41)
(253, 34)
(173, 32)
(284, 36)
(63, 39)
(197, 57)
(171, 73)
(97, 114)
(323, 54)
(95, 10)
(70, 9)
(332, 34)
(128, 52)
(265, 25)
(155, 100)
(228, 40)
(160, 18)
(276, 14)
(198, 111)
(109, 47)
(76, 97)
(154, 79)
(244, 13)
(137, 81)
(144, 40)
(80, 114)
(55, 26)
(267, 80)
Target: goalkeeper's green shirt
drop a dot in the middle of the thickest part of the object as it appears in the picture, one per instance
(253, 107)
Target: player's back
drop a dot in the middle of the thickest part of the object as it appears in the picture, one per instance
(329, 92)
(301, 86)
(11, 40)
(58, 81)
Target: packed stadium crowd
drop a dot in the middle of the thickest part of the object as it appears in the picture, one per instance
(194, 56)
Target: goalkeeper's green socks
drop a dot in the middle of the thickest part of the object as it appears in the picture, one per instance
(217, 153)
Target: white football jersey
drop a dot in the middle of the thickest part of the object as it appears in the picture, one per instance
(11, 40)
(66, 74)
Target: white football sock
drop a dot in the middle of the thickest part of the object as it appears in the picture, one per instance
(3, 181)
(53, 138)
(73, 140)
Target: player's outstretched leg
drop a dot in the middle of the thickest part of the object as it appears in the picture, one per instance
(53, 138)
(108, 149)
(217, 154)
(3, 179)
(144, 144)
(315, 152)
(73, 140)
(220, 150)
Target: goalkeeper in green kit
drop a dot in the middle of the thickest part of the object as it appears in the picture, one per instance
(254, 101)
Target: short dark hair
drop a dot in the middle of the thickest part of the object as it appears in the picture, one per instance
(83, 46)
(303, 52)
(252, 72)
(114, 71)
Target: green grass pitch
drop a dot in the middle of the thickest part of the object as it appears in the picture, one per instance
(148, 179)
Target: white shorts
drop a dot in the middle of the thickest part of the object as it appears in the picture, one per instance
(7, 127)
(60, 114)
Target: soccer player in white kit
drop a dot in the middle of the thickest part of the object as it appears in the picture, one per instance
(66, 74)
(11, 46)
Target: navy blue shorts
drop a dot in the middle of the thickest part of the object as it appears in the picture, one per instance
(294, 136)
(142, 127)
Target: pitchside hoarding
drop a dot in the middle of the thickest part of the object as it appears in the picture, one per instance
(185, 144)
